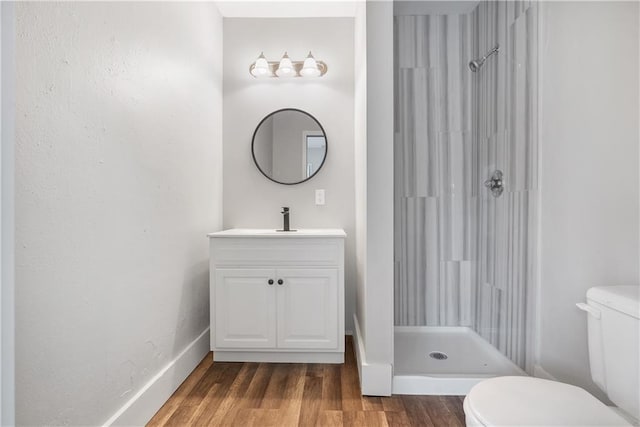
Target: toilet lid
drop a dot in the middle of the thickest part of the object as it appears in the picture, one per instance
(517, 401)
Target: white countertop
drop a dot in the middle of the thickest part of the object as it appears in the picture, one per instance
(256, 232)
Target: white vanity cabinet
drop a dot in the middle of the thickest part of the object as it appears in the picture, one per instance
(277, 296)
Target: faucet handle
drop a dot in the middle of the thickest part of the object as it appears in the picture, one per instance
(285, 210)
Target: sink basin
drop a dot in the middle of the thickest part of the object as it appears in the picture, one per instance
(269, 232)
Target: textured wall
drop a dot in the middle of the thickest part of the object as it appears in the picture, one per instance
(118, 176)
(505, 138)
(250, 199)
(433, 175)
(462, 256)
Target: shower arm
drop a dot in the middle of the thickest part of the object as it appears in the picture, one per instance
(476, 64)
(491, 52)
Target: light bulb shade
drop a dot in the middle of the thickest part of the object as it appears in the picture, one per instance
(285, 68)
(260, 68)
(310, 67)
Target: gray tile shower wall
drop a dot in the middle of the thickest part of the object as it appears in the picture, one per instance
(433, 171)
(463, 257)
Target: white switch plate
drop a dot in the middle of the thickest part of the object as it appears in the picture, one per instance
(319, 197)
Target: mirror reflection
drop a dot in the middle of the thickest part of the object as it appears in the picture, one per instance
(289, 146)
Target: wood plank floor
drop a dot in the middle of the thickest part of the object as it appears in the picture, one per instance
(281, 394)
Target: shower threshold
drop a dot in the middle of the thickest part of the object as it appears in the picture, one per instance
(443, 360)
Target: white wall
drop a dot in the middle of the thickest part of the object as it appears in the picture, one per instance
(360, 160)
(7, 214)
(379, 182)
(375, 208)
(251, 200)
(589, 166)
(118, 175)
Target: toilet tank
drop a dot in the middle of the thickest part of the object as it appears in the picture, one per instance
(614, 354)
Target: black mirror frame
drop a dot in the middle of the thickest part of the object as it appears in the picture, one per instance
(253, 139)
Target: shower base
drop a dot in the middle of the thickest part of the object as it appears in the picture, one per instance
(469, 360)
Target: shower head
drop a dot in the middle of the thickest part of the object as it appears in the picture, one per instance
(476, 64)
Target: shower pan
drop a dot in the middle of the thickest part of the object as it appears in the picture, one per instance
(465, 184)
(444, 360)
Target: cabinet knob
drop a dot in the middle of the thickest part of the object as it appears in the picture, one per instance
(270, 281)
(280, 281)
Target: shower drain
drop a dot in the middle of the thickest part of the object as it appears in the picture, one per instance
(438, 355)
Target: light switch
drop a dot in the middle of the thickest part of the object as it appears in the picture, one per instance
(319, 197)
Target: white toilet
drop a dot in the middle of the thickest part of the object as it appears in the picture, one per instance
(614, 357)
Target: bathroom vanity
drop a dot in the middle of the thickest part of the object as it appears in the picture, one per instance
(277, 296)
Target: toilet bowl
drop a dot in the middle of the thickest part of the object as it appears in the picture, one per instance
(614, 358)
(528, 401)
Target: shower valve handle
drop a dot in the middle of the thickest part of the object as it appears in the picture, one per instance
(495, 183)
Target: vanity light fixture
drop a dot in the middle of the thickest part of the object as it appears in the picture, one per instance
(310, 67)
(260, 68)
(285, 68)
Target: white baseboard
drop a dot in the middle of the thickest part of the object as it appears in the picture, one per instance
(540, 372)
(376, 379)
(146, 402)
(279, 357)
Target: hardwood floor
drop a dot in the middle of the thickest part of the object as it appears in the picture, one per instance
(281, 394)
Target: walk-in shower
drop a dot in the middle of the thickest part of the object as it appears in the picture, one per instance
(465, 161)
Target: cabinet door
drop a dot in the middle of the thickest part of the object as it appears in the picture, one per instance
(245, 308)
(308, 308)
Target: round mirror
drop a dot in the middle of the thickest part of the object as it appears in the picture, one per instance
(289, 146)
